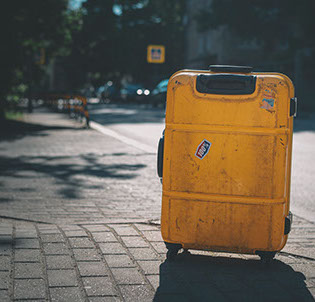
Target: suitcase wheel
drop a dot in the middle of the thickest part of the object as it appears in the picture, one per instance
(266, 257)
(172, 250)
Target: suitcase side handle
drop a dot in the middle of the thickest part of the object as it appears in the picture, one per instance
(231, 68)
(160, 156)
(229, 84)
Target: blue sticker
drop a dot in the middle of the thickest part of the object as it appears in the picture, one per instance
(203, 149)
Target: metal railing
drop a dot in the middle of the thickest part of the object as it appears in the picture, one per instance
(74, 105)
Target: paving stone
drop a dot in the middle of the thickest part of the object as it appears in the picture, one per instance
(139, 293)
(146, 227)
(97, 228)
(55, 249)
(310, 282)
(312, 292)
(28, 270)
(99, 286)
(126, 231)
(4, 296)
(105, 299)
(154, 280)
(5, 247)
(153, 236)
(58, 262)
(66, 294)
(49, 231)
(308, 270)
(43, 227)
(143, 254)
(5, 238)
(135, 242)
(81, 243)
(92, 269)
(159, 247)
(119, 261)
(112, 248)
(52, 238)
(26, 234)
(5, 263)
(62, 278)
(127, 276)
(4, 280)
(5, 227)
(27, 255)
(150, 267)
(104, 237)
(78, 233)
(29, 289)
(86, 255)
(71, 227)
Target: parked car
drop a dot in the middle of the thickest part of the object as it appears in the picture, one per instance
(134, 92)
(158, 95)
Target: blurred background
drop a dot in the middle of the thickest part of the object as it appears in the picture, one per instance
(99, 48)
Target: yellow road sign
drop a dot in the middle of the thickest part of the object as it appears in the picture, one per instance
(156, 54)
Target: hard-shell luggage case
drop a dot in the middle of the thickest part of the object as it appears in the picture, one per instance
(225, 159)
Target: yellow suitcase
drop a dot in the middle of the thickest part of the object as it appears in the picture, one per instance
(225, 159)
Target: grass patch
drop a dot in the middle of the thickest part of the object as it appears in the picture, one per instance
(13, 115)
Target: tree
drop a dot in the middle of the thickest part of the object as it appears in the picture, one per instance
(27, 27)
(115, 36)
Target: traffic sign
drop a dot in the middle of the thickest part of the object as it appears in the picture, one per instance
(156, 54)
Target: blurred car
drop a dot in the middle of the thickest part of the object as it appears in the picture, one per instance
(108, 92)
(134, 92)
(158, 95)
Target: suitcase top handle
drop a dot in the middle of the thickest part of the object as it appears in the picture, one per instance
(225, 83)
(230, 68)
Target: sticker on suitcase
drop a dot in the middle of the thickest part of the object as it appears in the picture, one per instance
(268, 104)
(203, 149)
(268, 101)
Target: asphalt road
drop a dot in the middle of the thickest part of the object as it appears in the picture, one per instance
(144, 125)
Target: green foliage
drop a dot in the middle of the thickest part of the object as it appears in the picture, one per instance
(114, 44)
(104, 39)
(28, 26)
(13, 115)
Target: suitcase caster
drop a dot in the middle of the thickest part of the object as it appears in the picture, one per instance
(172, 250)
(266, 257)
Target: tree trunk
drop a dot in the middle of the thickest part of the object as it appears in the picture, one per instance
(2, 115)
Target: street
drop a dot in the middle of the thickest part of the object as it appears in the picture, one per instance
(141, 123)
(80, 218)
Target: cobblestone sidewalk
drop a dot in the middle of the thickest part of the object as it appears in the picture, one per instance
(79, 216)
